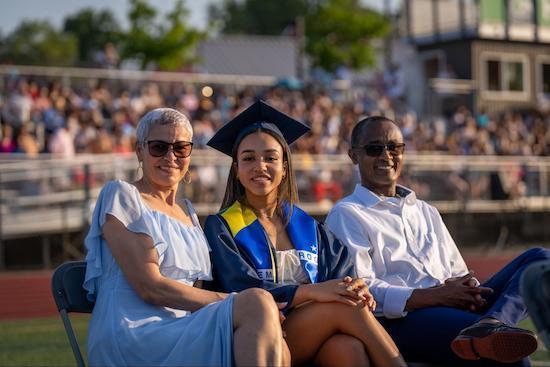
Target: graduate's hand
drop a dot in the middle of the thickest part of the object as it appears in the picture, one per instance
(361, 290)
(336, 290)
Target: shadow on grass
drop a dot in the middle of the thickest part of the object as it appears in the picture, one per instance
(43, 342)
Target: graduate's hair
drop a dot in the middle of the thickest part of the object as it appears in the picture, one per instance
(287, 191)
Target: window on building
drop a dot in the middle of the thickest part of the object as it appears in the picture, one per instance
(493, 75)
(545, 80)
(514, 76)
(505, 74)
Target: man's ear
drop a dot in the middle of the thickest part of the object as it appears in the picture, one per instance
(353, 155)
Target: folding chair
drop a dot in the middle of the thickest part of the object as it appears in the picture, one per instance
(69, 296)
(535, 289)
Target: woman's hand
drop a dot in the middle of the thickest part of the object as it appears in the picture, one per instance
(281, 306)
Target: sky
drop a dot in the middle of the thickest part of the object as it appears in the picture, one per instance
(12, 12)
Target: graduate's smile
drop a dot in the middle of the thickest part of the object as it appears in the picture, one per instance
(260, 166)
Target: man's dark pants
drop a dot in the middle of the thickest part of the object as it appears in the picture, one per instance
(425, 335)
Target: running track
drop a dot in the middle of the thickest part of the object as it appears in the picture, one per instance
(28, 294)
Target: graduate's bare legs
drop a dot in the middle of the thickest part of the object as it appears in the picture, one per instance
(257, 333)
(309, 326)
(342, 350)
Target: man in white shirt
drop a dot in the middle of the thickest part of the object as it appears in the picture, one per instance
(427, 299)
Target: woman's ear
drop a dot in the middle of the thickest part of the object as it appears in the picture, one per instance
(139, 152)
(235, 168)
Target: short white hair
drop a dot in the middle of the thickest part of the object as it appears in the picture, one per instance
(161, 116)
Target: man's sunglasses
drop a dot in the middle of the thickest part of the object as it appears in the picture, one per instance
(159, 148)
(374, 150)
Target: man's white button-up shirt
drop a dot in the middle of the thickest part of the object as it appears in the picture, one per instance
(399, 244)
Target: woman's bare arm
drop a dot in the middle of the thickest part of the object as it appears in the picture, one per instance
(138, 259)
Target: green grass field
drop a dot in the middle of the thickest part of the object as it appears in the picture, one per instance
(42, 342)
(39, 342)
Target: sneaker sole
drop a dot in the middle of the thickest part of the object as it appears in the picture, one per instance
(506, 347)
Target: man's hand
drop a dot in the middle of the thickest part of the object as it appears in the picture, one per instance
(460, 292)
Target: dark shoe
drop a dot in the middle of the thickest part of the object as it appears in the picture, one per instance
(499, 342)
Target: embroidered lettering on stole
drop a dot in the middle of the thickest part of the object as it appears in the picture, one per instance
(250, 236)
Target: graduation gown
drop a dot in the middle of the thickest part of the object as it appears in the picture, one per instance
(242, 255)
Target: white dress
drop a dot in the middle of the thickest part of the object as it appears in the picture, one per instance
(125, 330)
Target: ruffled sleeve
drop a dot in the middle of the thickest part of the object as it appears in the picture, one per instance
(122, 201)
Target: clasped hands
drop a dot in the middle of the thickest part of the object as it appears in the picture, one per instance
(349, 291)
(464, 292)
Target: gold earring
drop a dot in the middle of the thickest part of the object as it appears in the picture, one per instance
(187, 178)
(140, 167)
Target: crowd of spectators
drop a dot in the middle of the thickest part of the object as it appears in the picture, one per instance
(52, 116)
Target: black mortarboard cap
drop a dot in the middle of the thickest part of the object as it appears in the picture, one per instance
(258, 115)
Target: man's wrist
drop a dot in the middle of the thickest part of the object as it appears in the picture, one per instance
(421, 298)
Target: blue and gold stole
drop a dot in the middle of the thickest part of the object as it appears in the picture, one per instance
(250, 236)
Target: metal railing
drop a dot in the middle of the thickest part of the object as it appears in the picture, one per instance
(49, 195)
(137, 75)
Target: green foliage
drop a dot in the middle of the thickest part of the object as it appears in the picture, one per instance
(264, 17)
(169, 45)
(339, 33)
(39, 43)
(93, 29)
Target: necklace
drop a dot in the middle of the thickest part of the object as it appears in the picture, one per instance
(260, 215)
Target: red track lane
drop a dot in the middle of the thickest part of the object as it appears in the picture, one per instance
(28, 294)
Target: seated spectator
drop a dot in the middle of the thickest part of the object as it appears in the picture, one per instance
(147, 258)
(415, 271)
(7, 144)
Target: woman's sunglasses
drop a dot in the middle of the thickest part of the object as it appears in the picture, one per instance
(374, 150)
(159, 148)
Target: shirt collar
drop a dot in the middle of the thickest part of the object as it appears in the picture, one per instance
(369, 198)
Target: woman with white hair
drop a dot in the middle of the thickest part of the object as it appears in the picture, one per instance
(147, 256)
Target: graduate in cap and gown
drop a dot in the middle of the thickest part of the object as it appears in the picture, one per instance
(261, 238)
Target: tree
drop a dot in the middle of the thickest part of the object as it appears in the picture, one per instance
(264, 17)
(339, 33)
(93, 29)
(39, 43)
(170, 44)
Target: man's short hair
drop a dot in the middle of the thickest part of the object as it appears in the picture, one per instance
(362, 125)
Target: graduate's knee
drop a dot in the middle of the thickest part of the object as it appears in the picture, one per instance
(342, 350)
